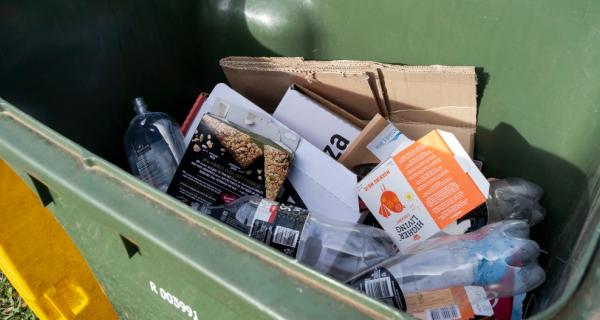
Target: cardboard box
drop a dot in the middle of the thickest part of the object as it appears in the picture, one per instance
(417, 99)
(423, 188)
(318, 121)
(224, 161)
(315, 181)
(375, 143)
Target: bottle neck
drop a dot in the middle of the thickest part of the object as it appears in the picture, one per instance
(139, 106)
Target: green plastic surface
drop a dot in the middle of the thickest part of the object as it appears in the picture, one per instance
(74, 66)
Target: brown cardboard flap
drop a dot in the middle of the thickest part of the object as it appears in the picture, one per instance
(466, 136)
(230, 61)
(417, 99)
(264, 88)
(433, 94)
(351, 91)
(357, 153)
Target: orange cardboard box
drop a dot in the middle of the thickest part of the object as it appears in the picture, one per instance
(423, 188)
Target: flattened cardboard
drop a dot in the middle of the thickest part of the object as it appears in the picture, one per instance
(466, 136)
(417, 99)
(352, 85)
(435, 95)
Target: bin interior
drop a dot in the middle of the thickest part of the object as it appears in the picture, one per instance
(75, 66)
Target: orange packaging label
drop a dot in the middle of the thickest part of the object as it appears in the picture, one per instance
(423, 188)
(444, 188)
(457, 303)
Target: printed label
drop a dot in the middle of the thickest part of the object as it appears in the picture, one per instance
(479, 301)
(444, 313)
(380, 284)
(388, 140)
(438, 180)
(229, 219)
(338, 143)
(173, 300)
(449, 303)
(279, 226)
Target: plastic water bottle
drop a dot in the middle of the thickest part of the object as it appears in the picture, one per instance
(498, 257)
(153, 145)
(515, 198)
(336, 248)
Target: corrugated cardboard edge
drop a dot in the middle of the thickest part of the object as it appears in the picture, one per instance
(310, 71)
(267, 87)
(415, 130)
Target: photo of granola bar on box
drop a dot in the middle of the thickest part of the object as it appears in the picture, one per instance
(224, 161)
(277, 164)
(239, 144)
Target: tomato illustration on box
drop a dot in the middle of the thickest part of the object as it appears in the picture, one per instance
(389, 203)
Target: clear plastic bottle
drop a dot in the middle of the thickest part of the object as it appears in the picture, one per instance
(498, 257)
(153, 145)
(336, 248)
(515, 198)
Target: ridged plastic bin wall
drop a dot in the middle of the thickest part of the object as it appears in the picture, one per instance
(74, 66)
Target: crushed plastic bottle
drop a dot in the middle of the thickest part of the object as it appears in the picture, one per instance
(153, 145)
(336, 248)
(515, 198)
(498, 257)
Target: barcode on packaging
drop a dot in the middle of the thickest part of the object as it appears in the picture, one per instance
(450, 312)
(379, 288)
(286, 236)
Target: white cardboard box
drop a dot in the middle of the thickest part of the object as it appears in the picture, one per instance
(312, 121)
(324, 185)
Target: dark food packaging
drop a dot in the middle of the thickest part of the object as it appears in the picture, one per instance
(223, 160)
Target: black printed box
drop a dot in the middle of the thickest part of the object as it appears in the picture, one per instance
(223, 161)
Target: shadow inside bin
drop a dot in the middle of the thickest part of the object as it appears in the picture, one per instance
(76, 66)
(505, 153)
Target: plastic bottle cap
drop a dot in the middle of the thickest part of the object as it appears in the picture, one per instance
(139, 105)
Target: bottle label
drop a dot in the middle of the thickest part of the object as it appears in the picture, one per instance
(227, 218)
(381, 285)
(279, 226)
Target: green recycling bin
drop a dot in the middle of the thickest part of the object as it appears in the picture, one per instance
(68, 70)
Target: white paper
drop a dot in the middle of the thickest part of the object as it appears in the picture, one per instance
(322, 128)
(324, 185)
